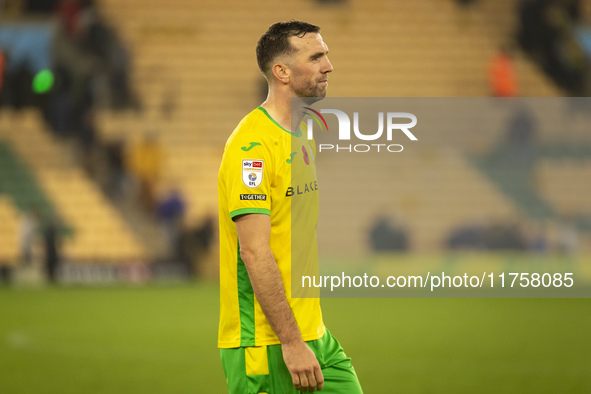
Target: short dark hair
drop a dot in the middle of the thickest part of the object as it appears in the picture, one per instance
(275, 41)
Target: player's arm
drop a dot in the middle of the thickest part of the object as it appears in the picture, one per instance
(254, 232)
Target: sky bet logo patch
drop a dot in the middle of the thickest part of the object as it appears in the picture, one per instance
(252, 173)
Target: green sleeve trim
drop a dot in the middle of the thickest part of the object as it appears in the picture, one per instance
(242, 211)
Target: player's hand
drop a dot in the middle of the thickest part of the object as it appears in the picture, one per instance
(303, 367)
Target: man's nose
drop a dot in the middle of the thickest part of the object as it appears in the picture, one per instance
(328, 66)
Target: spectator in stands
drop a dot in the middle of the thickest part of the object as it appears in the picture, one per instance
(40, 6)
(502, 78)
(196, 242)
(470, 236)
(108, 53)
(118, 70)
(530, 24)
(387, 237)
(60, 113)
(2, 68)
(51, 237)
(87, 139)
(171, 210)
(5, 273)
(539, 241)
(145, 162)
(19, 82)
(568, 236)
(68, 11)
(521, 136)
(504, 236)
(557, 50)
(116, 169)
(4, 90)
(28, 231)
(546, 32)
(573, 10)
(94, 34)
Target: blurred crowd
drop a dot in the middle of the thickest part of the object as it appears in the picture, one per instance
(90, 65)
(500, 235)
(547, 32)
(91, 71)
(386, 235)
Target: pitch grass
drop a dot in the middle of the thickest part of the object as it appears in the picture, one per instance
(162, 339)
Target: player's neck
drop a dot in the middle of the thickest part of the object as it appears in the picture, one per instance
(278, 106)
(279, 109)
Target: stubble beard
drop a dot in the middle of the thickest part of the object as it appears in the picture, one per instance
(312, 92)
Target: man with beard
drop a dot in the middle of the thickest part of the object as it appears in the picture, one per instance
(271, 342)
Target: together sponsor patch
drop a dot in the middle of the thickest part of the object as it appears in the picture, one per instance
(257, 197)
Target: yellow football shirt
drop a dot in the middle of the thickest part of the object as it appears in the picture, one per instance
(255, 177)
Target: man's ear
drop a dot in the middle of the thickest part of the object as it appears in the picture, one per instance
(281, 72)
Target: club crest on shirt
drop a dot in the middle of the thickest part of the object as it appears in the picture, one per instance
(252, 173)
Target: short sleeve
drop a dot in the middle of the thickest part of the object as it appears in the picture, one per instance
(248, 177)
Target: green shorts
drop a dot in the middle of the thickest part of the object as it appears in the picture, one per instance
(261, 369)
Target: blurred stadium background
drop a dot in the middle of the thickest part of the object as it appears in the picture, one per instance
(108, 187)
